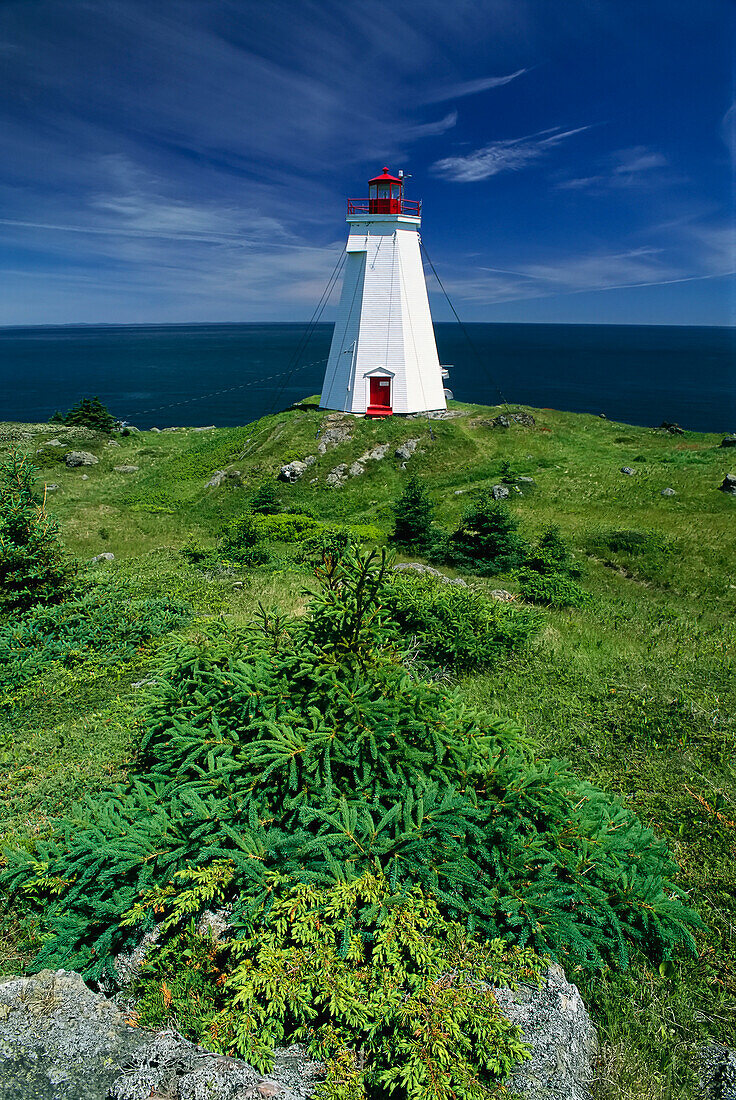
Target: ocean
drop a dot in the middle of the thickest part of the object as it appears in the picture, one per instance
(226, 374)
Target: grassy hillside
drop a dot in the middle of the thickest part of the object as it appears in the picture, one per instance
(636, 688)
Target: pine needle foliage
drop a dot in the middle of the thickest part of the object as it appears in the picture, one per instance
(487, 539)
(89, 412)
(413, 516)
(33, 566)
(307, 750)
(391, 997)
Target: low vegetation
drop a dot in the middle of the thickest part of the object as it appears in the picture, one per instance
(353, 754)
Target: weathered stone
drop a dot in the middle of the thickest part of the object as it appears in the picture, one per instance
(356, 469)
(728, 441)
(375, 454)
(157, 430)
(112, 443)
(502, 595)
(126, 469)
(528, 481)
(717, 1072)
(563, 1042)
(215, 923)
(430, 571)
(103, 557)
(85, 477)
(728, 485)
(53, 443)
(406, 450)
(673, 429)
(628, 471)
(51, 488)
(207, 428)
(80, 458)
(61, 1041)
(337, 430)
(500, 492)
(292, 471)
(668, 492)
(337, 477)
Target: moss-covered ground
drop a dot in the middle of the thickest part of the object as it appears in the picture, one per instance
(636, 689)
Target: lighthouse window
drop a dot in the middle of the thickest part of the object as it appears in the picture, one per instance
(383, 191)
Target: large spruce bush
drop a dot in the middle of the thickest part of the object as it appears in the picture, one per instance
(487, 539)
(413, 517)
(33, 565)
(304, 754)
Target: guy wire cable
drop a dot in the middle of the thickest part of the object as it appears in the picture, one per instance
(465, 332)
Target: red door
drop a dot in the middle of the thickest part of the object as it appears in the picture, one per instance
(381, 393)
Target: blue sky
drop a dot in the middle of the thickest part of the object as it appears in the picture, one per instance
(189, 161)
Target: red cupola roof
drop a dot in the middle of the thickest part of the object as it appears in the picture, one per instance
(385, 177)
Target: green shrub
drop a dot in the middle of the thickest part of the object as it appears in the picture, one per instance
(308, 753)
(454, 625)
(88, 413)
(552, 555)
(356, 966)
(101, 625)
(33, 566)
(552, 589)
(487, 539)
(629, 541)
(240, 539)
(285, 527)
(413, 516)
(265, 499)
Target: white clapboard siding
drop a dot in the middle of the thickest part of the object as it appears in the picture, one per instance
(383, 324)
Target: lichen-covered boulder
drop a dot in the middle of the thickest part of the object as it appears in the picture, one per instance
(80, 458)
(563, 1042)
(61, 1041)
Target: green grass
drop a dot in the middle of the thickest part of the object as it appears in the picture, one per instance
(636, 688)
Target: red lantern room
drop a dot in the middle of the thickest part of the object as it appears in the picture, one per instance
(385, 194)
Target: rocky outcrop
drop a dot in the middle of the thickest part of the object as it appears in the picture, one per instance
(61, 1041)
(717, 1072)
(673, 429)
(628, 471)
(505, 420)
(563, 1042)
(668, 492)
(126, 469)
(337, 477)
(500, 492)
(430, 571)
(727, 441)
(728, 485)
(338, 429)
(406, 450)
(103, 557)
(220, 477)
(80, 458)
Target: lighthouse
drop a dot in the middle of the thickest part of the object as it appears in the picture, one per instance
(383, 359)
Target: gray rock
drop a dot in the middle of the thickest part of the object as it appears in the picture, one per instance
(58, 443)
(215, 923)
(80, 458)
(376, 454)
(728, 485)
(292, 471)
(500, 492)
(502, 595)
(112, 443)
(717, 1072)
(428, 570)
(157, 430)
(337, 430)
(500, 422)
(728, 441)
(85, 477)
(555, 1024)
(126, 469)
(309, 460)
(103, 557)
(51, 488)
(668, 493)
(525, 481)
(61, 1041)
(628, 471)
(406, 450)
(220, 476)
(673, 429)
(459, 492)
(207, 428)
(338, 476)
(356, 469)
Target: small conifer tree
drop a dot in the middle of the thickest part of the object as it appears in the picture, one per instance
(265, 500)
(90, 413)
(487, 538)
(33, 567)
(413, 511)
(552, 554)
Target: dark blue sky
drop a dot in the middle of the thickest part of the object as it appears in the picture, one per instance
(188, 160)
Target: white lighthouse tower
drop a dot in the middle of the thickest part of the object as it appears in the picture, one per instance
(383, 358)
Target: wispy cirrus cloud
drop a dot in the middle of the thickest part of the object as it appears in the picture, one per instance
(638, 166)
(506, 155)
(470, 87)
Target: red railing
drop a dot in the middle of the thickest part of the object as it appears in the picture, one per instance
(412, 207)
